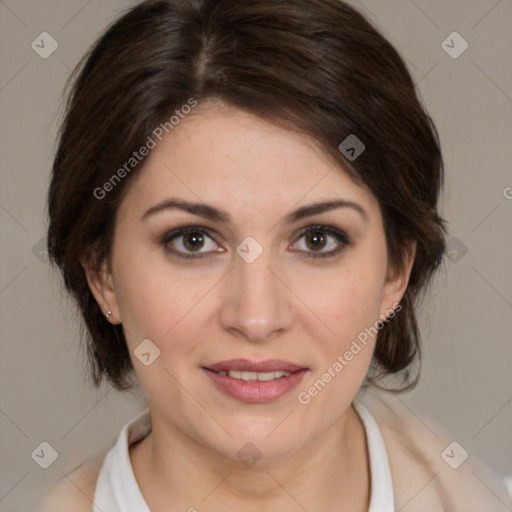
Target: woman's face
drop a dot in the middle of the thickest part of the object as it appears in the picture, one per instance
(266, 270)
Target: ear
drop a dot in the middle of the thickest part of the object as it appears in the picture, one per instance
(101, 284)
(396, 282)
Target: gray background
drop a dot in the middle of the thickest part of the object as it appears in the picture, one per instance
(466, 386)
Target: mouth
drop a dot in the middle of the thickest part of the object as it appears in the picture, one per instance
(252, 376)
(255, 382)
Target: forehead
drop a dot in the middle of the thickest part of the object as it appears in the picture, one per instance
(224, 156)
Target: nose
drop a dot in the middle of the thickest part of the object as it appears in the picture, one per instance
(257, 304)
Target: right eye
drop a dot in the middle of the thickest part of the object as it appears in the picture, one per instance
(190, 242)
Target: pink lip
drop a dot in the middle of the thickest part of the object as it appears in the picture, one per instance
(255, 392)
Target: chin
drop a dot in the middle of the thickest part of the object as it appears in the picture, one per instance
(267, 439)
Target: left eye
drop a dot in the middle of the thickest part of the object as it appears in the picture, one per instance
(321, 241)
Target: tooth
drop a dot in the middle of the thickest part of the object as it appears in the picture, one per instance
(264, 376)
(252, 376)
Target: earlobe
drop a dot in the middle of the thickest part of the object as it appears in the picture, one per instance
(101, 284)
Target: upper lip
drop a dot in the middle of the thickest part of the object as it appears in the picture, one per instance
(269, 365)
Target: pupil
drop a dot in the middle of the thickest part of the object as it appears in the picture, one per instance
(193, 241)
(316, 241)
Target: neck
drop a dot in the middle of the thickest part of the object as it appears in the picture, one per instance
(331, 473)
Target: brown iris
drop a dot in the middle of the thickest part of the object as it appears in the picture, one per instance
(316, 240)
(193, 241)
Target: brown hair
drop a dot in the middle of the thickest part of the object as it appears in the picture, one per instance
(317, 66)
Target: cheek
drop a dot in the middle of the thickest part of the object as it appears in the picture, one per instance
(158, 301)
(350, 306)
(139, 299)
(347, 298)
(158, 305)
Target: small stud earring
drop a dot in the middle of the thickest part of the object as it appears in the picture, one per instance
(108, 314)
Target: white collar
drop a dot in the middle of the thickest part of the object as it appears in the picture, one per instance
(381, 495)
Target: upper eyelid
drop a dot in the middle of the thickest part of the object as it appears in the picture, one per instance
(188, 228)
(328, 228)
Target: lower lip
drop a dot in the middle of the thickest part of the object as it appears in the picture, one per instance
(254, 391)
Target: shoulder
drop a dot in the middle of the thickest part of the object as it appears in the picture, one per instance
(75, 491)
(420, 453)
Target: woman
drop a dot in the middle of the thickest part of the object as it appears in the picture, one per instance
(244, 206)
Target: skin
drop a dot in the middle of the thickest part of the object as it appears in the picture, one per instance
(284, 305)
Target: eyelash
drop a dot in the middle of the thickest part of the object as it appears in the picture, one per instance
(341, 237)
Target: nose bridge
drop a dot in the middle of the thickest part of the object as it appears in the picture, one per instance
(257, 304)
(255, 280)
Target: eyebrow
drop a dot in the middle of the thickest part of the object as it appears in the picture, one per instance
(215, 214)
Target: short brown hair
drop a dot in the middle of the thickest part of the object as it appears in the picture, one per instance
(317, 66)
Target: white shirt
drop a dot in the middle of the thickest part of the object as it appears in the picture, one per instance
(118, 491)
